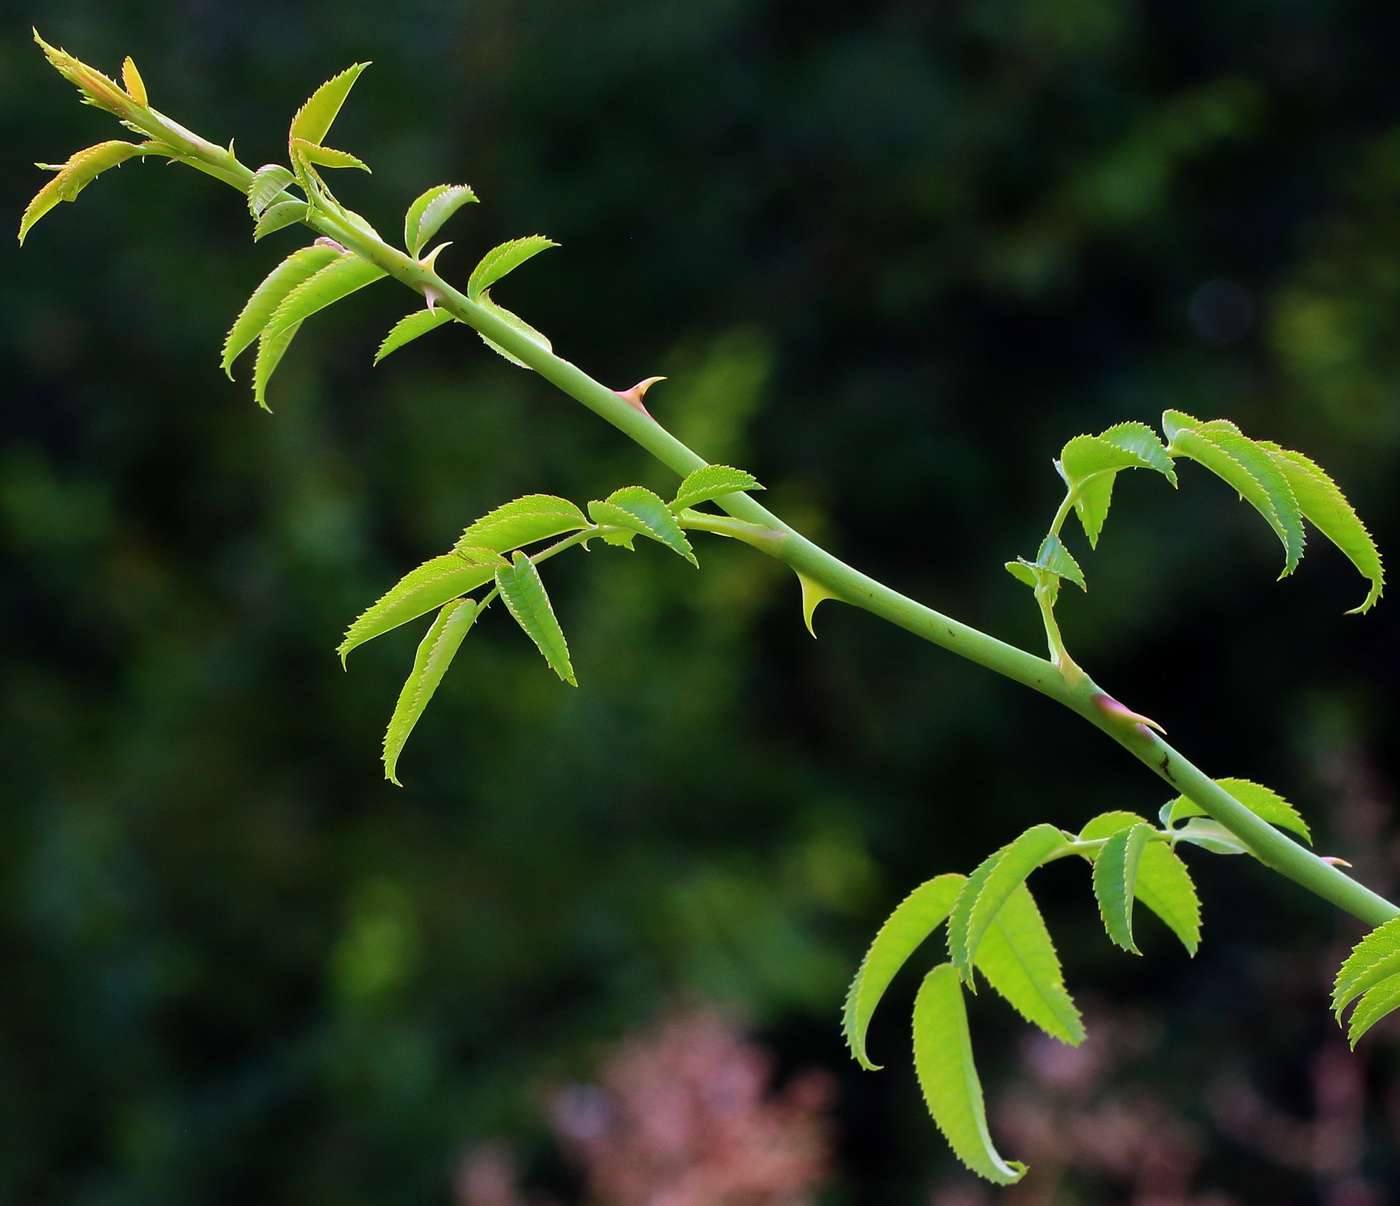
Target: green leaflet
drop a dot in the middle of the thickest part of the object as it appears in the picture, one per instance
(309, 152)
(505, 258)
(989, 886)
(710, 482)
(338, 279)
(1210, 835)
(525, 596)
(1053, 556)
(253, 318)
(1163, 883)
(516, 323)
(269, 356)
(1090, 464)
(1142, 441)
(914, 919)
(279, 216)
(409, 327)
(432, 584)
(313, 120)
(1372, 973)
(1326, 508)
(948, 1077)
(637, 508)
(1115, 882)
(523, 521)
(435, 654)
(268, 181)
(80, 170)
(427, 214)
(1243, 464)
(1019, 960)
(1260, 800)
(1376, 1004)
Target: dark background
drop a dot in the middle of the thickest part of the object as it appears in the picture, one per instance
(891, 256)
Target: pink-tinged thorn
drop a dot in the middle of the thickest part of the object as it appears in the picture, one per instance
(1124, 715)
(633, 396)
(433, 297)
(1334, 860)
(327, 241)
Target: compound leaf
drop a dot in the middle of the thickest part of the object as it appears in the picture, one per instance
(948, 1077)
(268, 181)
(1326, 507)
(1115, 882)
(313, 120)
(904, 931)
(80, 170)
(502, 259)
(253, 318)
(435, 654)
(409, 328)
(427, 214)
(710, 482)
(523, 521)
(516, 323)
(418, 592)
(989, 886)
(637, 508)
(1260, 800)
(1243, 464)
(338, 279)
(524, 594)
(279, 216)
(1019, 960)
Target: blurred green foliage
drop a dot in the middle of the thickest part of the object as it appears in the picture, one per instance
(891, 256)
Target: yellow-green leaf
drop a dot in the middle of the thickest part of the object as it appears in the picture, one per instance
(409, 328)
(500, 260)
(524, 595)
(1260, 800)
(298, 267)
(435, 654)
(523, 521)
(1019, 960)
(81, 169)
(710, 482)
(313, 120)
(427, 214)
(418, 592)
(948, 1076)
(914, 919)
(339, 278)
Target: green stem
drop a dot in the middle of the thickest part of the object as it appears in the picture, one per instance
(777, 539)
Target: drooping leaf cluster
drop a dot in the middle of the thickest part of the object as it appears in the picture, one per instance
(1285, 487)
(995, 931)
